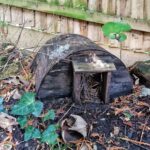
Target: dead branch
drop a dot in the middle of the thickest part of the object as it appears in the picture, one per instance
(134, 141)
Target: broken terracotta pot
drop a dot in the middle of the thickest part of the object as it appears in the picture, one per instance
(73, 128)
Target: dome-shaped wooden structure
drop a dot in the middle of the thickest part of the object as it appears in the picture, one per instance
(53, 66)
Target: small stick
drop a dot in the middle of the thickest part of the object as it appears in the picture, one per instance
(134, 141)
(66, 112)
(23, 69)
(144, 129)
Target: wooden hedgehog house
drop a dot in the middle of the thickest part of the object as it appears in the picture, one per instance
(71, 65)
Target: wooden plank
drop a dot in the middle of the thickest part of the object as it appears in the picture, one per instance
(105, 4)
(137, 40)
(16, 16)
(7, 13)
(40, 21)
(70, 25)
(28, 18)
(93, 67)
(94, 32)
(64, 25)
(147, 9)
(112, 7)
(94, 5)
(51, 23)
(76, 27)
(77, 87)
(113, 43)
(123, 8)
(106, 86)
(146, 41)
(83, 28)
(1, 13)
(137, 9)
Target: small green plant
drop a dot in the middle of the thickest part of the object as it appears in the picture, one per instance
(27, 110)
(115, 31)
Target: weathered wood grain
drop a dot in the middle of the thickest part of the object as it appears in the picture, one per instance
(28, 18)
(40, 21)
(137, 9)
(16, 16)
(7, 13)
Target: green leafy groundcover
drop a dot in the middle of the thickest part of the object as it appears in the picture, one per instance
(27, 105)
(29, 108)
(114, 30)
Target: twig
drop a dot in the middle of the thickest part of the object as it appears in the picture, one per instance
(66, 112)
(22, 28)
(134, 141)
(144, 129)
(23, 69)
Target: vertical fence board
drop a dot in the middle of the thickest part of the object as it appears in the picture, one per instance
(1, 13)
(94, 32)
(112, 7)
(7, 14)
(94, 5)
(28, 18)
(51, 23)
(137, 9)
(147, 9)
(64, 25)
(76, 27)
(146, 41)
(136, 41)
(83, 28)
(16, 16)
(126, 43)
(40, 21)
(123, 8)
(105, 4)
(58, 24)
(70, 25)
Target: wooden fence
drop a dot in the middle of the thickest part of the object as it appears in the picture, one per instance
(84, 18)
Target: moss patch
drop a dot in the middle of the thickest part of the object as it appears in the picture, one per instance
(10, 70)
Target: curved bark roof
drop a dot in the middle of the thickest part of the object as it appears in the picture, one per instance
(61, 47)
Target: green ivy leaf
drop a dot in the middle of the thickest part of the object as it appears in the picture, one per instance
(38, 108)
(28, 133)
(111, 29)
(112, 36)
(49, 115)
(122, 37)
(22, 121)
(36, 134)
(25, 106)
(49, 135)
(115, 27)
(31, 133)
